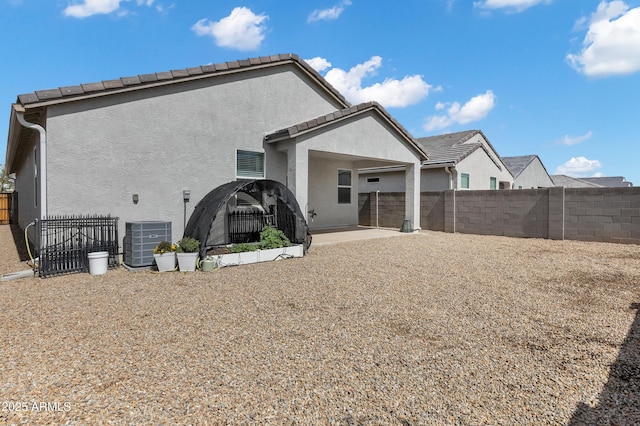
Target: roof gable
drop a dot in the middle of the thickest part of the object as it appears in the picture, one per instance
(518, 164)
(328, 119)
(142, 81)
(451, 148)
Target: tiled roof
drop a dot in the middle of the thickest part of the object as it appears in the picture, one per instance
(451, 148)
(609, 181)
(63, 94)
(517, 164)
(327, 119)
(571, 182)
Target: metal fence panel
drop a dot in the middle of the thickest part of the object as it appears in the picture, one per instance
(66, 241)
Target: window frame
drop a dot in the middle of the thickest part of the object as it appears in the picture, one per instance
(462, 178)
(342, 186)
(493, 183)
(248, 174)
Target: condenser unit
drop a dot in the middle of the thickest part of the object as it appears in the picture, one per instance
(140, 240)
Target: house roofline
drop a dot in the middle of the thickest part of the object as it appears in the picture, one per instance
(340, 115)
(43, 98)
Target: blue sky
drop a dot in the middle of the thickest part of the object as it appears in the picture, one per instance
(556, 78)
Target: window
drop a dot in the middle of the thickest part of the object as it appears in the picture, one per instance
(344, 186)
(249, 164)
(372, 180)
(464, 180)
(492, 183)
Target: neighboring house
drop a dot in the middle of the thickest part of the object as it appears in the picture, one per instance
(528, 172)
(130, 147)
(591, 182)
(462, 160)
(610, 181)
(571, 182)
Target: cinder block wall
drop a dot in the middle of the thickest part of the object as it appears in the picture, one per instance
(432, 210)
(585, 214)
(512, 213)
(602, 214)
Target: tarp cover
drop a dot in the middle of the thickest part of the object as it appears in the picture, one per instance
(268, 200)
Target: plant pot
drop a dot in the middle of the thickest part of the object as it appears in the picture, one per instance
(165, 261)
(187, 261)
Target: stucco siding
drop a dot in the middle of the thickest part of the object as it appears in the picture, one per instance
(365, 136)
(480, 169)
(323, 194)
(533, 176)
(357, 140)
(157, 142)
(25, 187)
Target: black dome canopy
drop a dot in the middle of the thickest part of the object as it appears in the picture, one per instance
(235, 212)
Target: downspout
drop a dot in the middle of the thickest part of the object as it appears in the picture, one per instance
(42, 173)
(446, 169)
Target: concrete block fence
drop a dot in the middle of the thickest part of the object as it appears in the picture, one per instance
(585, 214)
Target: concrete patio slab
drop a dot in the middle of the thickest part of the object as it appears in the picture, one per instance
(338, 235)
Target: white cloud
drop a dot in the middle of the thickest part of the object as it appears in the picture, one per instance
(319, 64)
(578, 167)
(510, 5)
(242, 29)
(475, 109)
(568, 140)
(391, 93)
(86, 8)
(612, 43)
(92, 7)
(328, 14)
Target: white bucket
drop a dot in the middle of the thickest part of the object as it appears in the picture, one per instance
(98, 262)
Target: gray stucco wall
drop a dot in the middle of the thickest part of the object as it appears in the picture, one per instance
(481, 168)
(323, 194)
(478, 165)
(158, 142)
(25, 187)
(534, 176)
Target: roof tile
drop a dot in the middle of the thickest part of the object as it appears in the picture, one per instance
(146, 78)
(179, 73)
(71, 90)
(113, 84)
(93, 87)
(164, 75)
(195, 71)
(130, 81)
(28, 98)
(48, 94)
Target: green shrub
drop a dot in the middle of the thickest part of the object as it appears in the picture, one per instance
(271, 238)
(188, 245)
(242, 247)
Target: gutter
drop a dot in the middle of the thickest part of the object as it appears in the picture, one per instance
(43, 159)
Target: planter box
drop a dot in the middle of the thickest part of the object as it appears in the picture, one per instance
(165, 262)
(187, 261)
(246, 257)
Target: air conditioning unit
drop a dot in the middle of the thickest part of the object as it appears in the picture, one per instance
(141, 238)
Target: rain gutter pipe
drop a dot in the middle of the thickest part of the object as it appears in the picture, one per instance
(43, 160)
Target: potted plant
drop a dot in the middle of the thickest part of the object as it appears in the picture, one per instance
(165, 256)
(187, 253)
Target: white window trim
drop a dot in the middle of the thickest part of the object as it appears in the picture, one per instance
(264, 171)
(350, 186)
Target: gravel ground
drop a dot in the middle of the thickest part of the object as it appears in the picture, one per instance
(429, 328)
